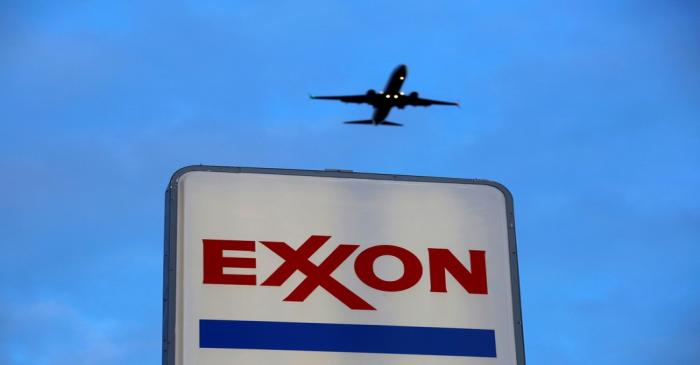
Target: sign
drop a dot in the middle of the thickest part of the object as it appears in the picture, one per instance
(266, 266)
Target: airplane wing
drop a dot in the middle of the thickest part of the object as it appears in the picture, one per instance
(369, 121)
(429, 102)
(359, 99)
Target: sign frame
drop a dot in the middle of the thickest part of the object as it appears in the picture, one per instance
(170, 239)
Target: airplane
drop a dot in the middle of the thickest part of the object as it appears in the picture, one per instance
(383, 101)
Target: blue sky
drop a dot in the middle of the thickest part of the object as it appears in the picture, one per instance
(589, 111)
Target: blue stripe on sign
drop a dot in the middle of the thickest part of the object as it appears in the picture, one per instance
(346, 338)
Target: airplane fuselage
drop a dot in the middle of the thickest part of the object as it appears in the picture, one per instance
(388, 98)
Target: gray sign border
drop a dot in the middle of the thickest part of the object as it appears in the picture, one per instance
(170, 249)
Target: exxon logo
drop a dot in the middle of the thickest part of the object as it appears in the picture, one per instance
(441, 262)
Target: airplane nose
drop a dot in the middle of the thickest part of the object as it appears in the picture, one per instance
(402, 71)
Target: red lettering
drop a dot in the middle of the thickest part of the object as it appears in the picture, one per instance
(412, 269)
(292, 262)
(215, 262)
(315, 275)
(442, 260)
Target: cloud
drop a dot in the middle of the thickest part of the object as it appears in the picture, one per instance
(52, 332)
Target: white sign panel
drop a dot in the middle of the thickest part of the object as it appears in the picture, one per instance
(307, 267)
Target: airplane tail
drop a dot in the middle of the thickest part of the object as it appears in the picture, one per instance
(386, 122)
(369, 121)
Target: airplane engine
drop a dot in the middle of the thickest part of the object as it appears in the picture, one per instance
(413, 95)
(371, 92)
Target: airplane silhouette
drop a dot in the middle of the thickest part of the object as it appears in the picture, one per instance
(383, 101)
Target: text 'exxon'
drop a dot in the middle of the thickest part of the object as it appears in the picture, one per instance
(440, 262)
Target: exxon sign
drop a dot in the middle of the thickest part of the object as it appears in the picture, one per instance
(268, 266)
